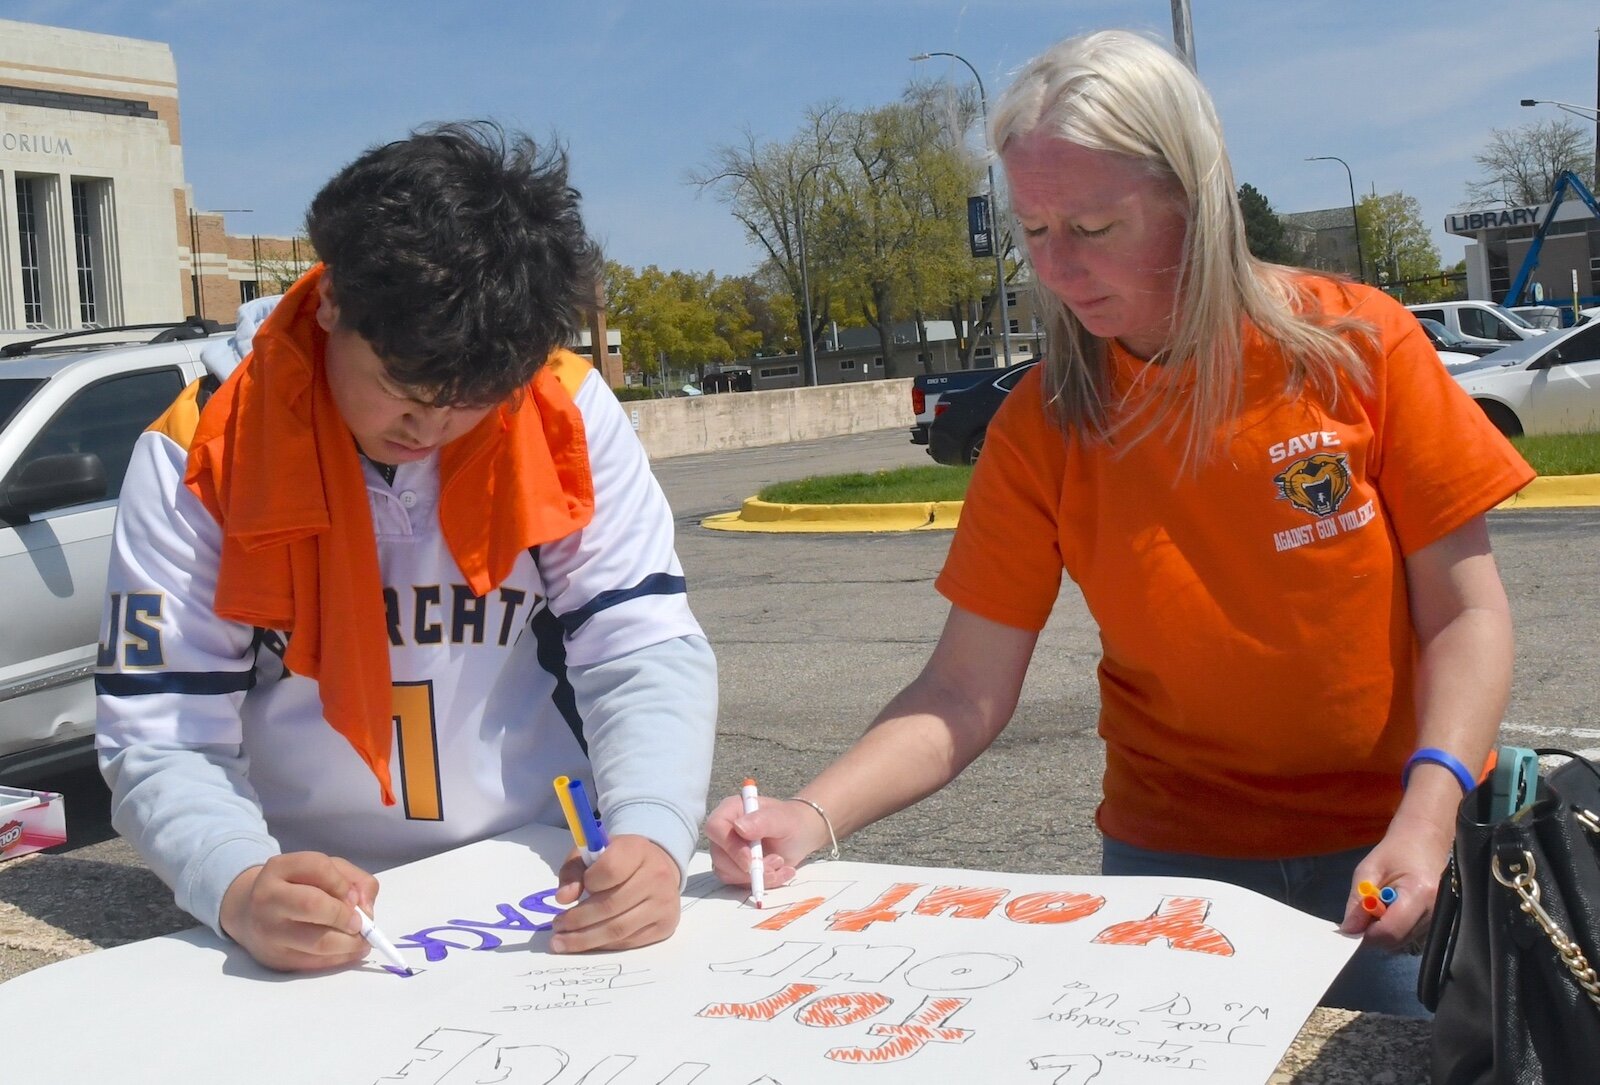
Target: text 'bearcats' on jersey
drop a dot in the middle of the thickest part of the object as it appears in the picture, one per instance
(586, 653)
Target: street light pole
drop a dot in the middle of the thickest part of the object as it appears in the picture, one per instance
(1355, 221)
(805, 281)
(1183, 32)
(1588, 113)
(194, 252)
(994, 208)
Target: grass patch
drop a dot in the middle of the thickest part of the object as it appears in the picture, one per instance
(904, 484)
(1549, 454)
(1561, 453)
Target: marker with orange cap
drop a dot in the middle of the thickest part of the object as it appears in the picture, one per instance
(1376, 901)
(757, 863)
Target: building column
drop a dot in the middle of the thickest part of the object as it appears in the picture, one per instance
(10, 257)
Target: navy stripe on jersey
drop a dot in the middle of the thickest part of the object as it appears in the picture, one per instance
(552, 654)
(185, 682)
(654, 584)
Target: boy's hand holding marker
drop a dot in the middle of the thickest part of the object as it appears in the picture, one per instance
(623, 892)
(300, 912)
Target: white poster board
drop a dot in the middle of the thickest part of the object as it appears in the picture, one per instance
(859, 973)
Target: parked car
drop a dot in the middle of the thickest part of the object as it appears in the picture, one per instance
(1454, 349)
(1546, 317)
(70, 411)
(927, 388)
(958, 430)
(1478, 321)
(1550, 384)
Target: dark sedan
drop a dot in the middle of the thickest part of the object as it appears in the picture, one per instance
(956, 436)
(1443, 339)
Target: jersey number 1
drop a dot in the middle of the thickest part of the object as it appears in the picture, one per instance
(419, 751)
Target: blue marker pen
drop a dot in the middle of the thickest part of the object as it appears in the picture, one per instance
(594, 832)
(1388, 894)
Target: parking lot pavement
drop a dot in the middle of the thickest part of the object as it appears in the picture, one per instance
(813, 634)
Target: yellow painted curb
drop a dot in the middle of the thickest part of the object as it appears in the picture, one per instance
(758, 515)
(1556, 491)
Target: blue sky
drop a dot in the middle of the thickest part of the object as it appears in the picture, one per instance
(276, 95)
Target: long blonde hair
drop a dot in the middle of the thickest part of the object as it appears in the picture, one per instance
(1119, 92)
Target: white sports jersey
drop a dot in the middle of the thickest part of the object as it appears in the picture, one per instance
(486, 711)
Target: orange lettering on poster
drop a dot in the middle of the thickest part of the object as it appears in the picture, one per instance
(843, 1009)
(879, 911)
(1180, 921)
(788, 914)
(925, 1026)
(960, 901)
(1053, 907)
(764, 1009)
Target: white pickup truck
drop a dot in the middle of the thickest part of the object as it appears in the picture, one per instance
(70, 411)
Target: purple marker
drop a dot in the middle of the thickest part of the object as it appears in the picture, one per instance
(378, 941)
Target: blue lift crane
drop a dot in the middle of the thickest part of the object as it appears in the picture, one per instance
(1565, 181)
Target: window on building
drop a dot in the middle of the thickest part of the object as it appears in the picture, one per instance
(28, 246)
(1016, 327)
(83, 241)
(1011, 299)
(249, 290)
(613, 348)
(877, 363)
(781, 371)
(847, 363)
(983, 352)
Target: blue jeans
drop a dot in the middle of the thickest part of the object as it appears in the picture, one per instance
(1375, 980)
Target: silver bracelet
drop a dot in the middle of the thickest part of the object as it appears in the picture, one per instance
(833, 852)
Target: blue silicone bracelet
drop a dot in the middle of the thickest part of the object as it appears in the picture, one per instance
(1440, 757)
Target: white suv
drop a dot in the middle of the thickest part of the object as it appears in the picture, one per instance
(1478, 321)
(69, 414)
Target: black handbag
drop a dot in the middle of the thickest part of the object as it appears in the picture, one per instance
(1509, 965)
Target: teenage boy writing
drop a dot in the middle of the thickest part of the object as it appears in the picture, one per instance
(405, 566)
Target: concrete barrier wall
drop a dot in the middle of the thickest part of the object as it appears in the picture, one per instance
(689, 424)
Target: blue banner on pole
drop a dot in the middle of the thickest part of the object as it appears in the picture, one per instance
(980, 227)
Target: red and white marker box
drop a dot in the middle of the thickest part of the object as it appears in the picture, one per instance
(30, 820)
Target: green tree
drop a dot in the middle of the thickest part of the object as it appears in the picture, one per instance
(771, 306)
(1520, 165)
(1263, 229)
(881, 196)
(897, 224)
(676, 319)
(1399, 247)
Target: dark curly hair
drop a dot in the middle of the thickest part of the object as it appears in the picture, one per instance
(459, 255)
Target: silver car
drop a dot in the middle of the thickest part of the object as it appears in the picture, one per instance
(69, 415)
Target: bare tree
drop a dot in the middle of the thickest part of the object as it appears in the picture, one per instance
(770, 188)
(1520, 165)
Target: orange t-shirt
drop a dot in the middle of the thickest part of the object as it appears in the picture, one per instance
(1258, 658)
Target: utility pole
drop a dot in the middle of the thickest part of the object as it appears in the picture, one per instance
(1183, 33)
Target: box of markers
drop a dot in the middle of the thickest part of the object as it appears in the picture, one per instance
(30, 820)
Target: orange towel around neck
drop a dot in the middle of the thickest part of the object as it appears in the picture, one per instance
(274, 462)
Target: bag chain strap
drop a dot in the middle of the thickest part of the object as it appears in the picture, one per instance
(1522, 882)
